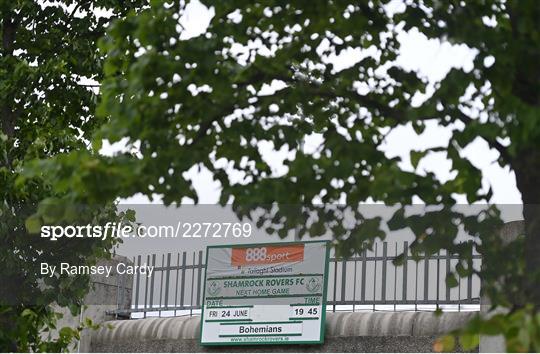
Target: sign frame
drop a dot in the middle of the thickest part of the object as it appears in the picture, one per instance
(323, 299)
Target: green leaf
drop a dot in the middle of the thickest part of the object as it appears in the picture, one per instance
(28, 313)
(130, 215)
(33, 224)
(451, 280)
(416, 156)
(469, 341)
(398, 220)
(52, 210)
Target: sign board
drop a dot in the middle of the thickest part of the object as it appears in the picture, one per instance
(265, 294)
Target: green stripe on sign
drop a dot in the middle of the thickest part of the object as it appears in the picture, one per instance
(303, 318)
(268, 276)
(261, 335)
(262, 296)
(251, 323)
(304, 304)
(234, 320)
(227, 307)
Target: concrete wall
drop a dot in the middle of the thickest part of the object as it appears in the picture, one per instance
(345, 332)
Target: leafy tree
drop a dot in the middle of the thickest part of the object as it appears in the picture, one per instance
(47, 50)
(260, 73)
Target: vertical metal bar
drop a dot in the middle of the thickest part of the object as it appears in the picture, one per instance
(375, 279)
(161, 284)
(152, 284)
(405, 263)
(384, 261)
(167, 280)
(192, 285)
(176, 283)
(447, 288)
(438, 277)
(146, 287)
(354, 283)
(343, 278)
(335, 284)
(137, 280)
(363, 288)
(416, 287)
(184, 258)
(459, 294)
(199, 276)
(123, 291)
(395, 277)
(469, 282)
(426, 277)
(117, 286)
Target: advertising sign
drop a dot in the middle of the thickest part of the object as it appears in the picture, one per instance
(265, 294)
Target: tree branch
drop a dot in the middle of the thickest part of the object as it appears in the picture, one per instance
(503, 151)
(9, 29)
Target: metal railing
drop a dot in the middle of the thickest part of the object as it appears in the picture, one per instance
(364, 281)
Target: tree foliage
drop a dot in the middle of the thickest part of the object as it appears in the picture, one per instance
(47, 51)
(261, 74)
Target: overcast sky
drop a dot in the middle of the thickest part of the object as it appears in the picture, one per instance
(429, 58)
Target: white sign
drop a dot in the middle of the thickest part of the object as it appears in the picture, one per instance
(265, 294)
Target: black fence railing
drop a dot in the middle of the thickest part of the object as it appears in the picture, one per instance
(364, 281)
